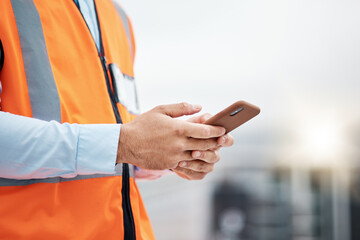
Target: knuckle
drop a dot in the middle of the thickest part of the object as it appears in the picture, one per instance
(206, 131)
(203, 155)
(178, 147)
(205, 145)
(205, 167)
(184, 105)
(160, 108)
(211, 144)
(189, 165)
(201, 167)
(179, 131)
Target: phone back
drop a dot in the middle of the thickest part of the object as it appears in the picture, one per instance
(234, 115)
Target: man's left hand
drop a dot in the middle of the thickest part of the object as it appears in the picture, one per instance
(205, 160)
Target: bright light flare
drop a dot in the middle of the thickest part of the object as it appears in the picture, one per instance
(322, 143)
(323, 140)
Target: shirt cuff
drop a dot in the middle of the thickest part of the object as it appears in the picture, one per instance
(97, 148)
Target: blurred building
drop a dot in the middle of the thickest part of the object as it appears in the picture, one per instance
(297, 204)
(252, 196)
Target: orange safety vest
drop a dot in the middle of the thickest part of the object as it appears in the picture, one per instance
(53, 71)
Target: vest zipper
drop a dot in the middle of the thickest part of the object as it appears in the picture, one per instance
(111, 93)
(128, 219)
(129, 224)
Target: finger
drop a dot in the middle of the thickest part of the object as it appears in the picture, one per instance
(189, 174)
(185, 156)
(197, 166)
(201, 144)
(178, 109)
(196, 130)
(200, 119)
(215, 148)
(225, 141)
(207, 156)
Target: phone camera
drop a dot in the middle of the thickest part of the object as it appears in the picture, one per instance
(236, 111)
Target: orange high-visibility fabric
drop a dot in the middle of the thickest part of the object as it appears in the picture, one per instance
(79, 209)
(13, 74)
(139, 213)
(82, 209)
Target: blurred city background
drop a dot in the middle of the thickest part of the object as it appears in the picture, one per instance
(293, 172)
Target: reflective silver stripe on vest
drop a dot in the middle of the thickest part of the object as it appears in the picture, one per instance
(44, 97)
(4, 182)
(125, 21)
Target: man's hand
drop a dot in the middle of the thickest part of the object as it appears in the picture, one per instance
(157, 140)
(205, 160)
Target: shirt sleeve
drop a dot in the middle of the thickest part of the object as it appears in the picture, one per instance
(32, 148)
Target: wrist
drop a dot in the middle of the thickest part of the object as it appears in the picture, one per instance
(124, 154)
(120, 151)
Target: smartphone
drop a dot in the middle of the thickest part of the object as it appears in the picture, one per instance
(234, 115)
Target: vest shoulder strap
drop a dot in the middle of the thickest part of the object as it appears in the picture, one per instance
(128, 27)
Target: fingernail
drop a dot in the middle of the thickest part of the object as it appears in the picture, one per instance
(196, 154)
(183, 164)
(222, 140)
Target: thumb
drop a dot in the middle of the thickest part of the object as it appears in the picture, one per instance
(178, 109)
(200, 119)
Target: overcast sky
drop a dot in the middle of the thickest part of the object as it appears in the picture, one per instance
(298, 60)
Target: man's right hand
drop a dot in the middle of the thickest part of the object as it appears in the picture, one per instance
(157, 140)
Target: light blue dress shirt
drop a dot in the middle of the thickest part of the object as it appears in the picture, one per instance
(87, 9)
(32, 148)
